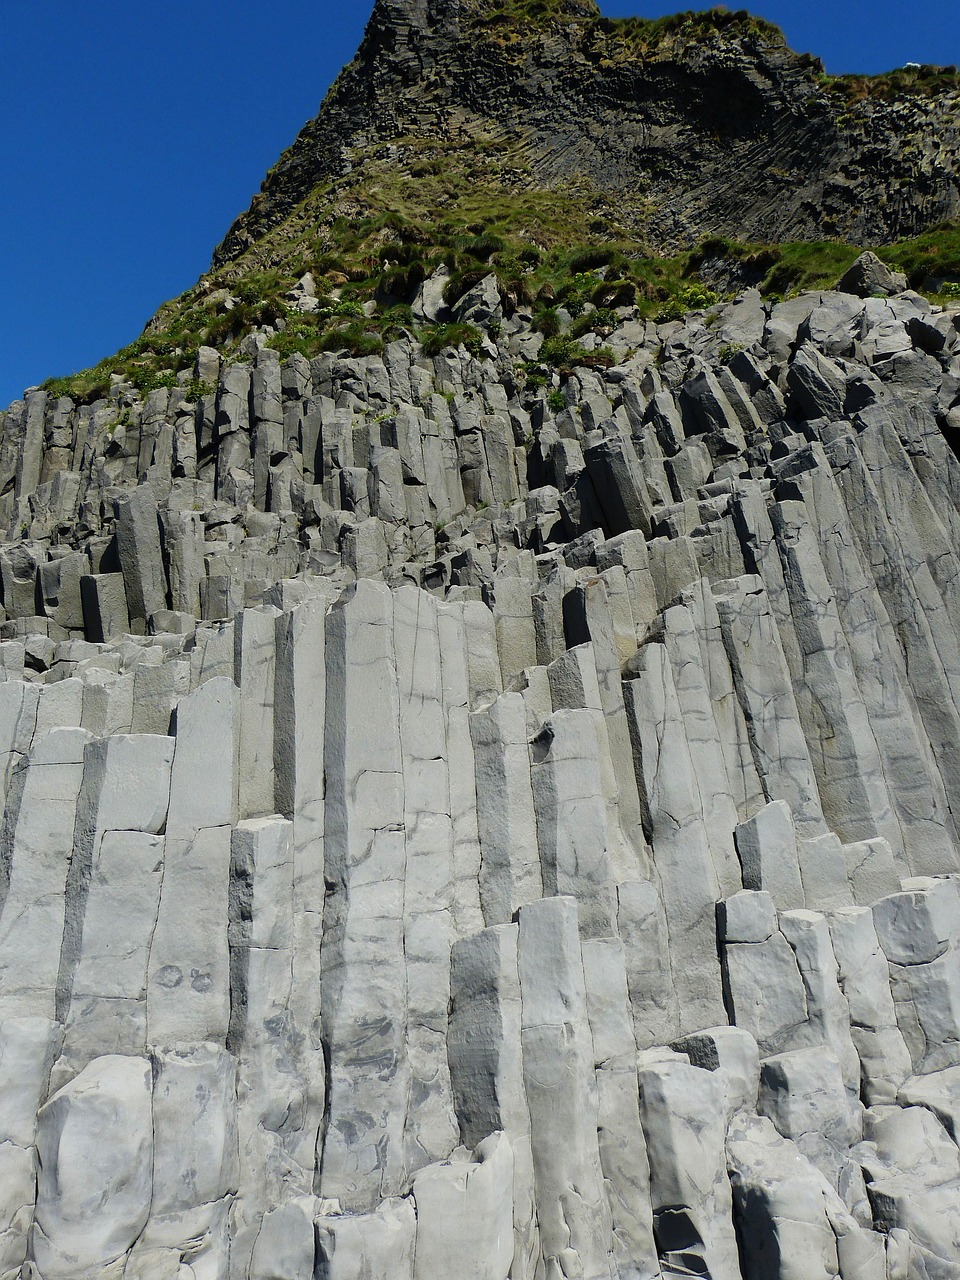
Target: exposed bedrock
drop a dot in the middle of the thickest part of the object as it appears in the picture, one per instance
(456, 831)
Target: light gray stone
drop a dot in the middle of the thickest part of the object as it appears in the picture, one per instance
(767, 848)
(683, 1110)
(560, 1085)
(382, 1243)
(465, 1214)
(95, 1141)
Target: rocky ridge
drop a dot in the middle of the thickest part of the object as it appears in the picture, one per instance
(699, 125)
(467, 820)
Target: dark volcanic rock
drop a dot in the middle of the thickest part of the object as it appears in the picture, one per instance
(709, 127)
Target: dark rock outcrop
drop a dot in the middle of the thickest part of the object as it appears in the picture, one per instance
(697, 128)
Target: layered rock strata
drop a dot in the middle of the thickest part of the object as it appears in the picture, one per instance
(457, 829)
(698, 129)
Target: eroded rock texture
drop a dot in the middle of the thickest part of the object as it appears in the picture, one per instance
(729, 133)
(452, 835)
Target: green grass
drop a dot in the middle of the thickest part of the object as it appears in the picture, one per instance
(538, 245)
(515, 19)
(646, 36)
(926, 81)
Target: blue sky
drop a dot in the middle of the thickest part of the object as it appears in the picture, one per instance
(132, 135)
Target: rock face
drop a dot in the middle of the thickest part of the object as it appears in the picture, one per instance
(454, 828)
(684, 131)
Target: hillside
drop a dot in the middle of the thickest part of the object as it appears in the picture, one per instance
(702, 124)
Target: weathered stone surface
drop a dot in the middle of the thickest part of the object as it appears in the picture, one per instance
(559, 1081)
(95, 1156)
(869, 276)
(683, 1112)
(470, 740)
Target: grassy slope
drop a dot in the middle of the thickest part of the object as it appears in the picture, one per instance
(472, 204)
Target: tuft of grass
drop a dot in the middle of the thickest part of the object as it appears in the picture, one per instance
(440, 337)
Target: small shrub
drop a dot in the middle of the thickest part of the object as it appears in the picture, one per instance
(590, 259)
(730, 350)
(347, 307)
(197, 388)
(563, 351)
(355, 339)
(951, 290)
(595, 321)
(614, 293)
(692, 297)
(483, 247)
(556, 401)
(146, 380)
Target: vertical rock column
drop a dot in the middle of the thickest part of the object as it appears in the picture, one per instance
(844, 752)
(112, 897)
(299, 711)
(510, 867)
(188, 979)
(763, 686)
(278, 1116)
(486, 1068)
(560, 1084)
(431, 1129)
(682, 856)
(461, 768)
(36, 850)
(915, 784)
(364, 986)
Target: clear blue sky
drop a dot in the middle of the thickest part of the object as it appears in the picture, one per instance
(131, 135)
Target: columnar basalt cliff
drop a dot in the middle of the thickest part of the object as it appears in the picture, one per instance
(466, 820)
(697, 127)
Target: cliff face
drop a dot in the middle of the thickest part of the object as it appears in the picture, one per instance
(459, 826)
(706, 126)
(487, 808)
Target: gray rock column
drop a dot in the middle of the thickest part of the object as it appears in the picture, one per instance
(486, 1068)
(560, 1085)
(37, 846)
(683, 1112)
(914, 781)
(141, 560)
(255, 662)
(571, 822)
(431, 1130)
(510, 869)
(681, 853)
(845, 757)
(363, 991)
(623, 1152)
(763, 686)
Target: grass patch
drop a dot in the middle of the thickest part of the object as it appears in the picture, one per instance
(541, 250)
(926, 81)
(441, 337)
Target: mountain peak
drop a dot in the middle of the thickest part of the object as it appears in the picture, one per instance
(697, 124)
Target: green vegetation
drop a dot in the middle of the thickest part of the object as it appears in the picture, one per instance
(511, 20)
(549, 253)
(926, 81)
(690, 297)
(440, 337)
(531, 13)
(648, 37)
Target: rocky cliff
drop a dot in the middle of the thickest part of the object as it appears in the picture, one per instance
(487, 809)
(699, 125)
(457, 828)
